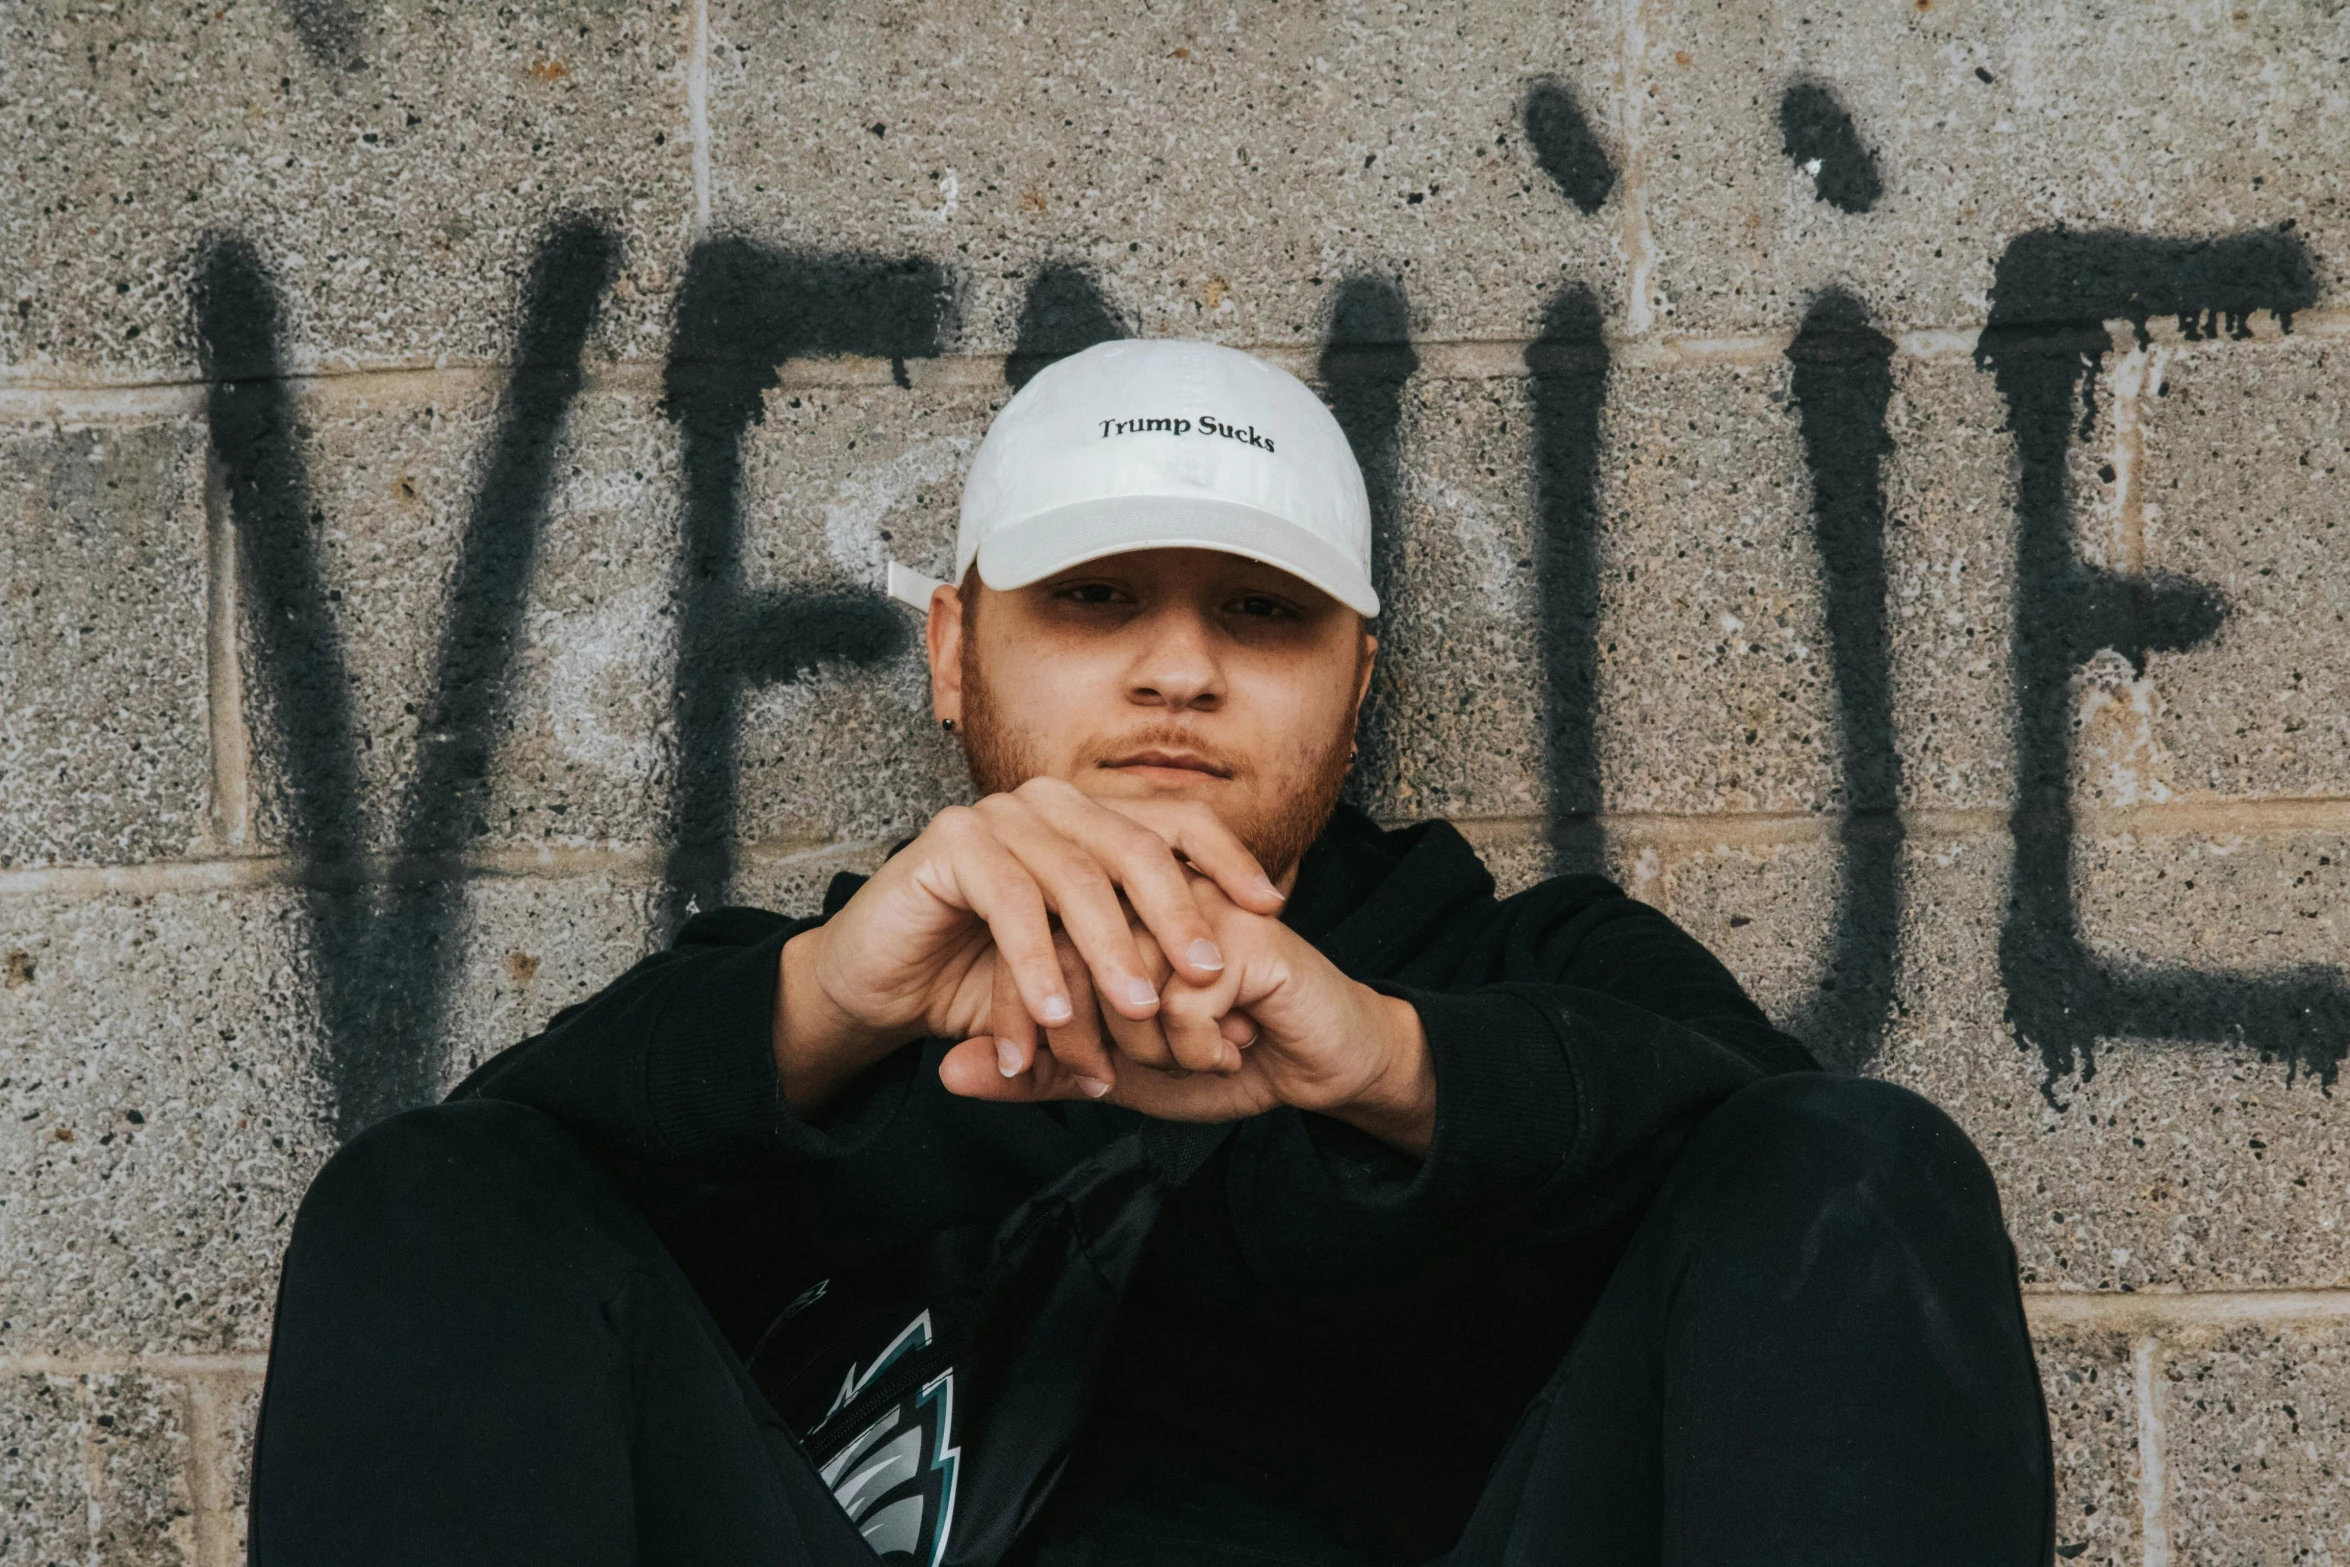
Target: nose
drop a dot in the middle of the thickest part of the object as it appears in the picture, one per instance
(1176, 667)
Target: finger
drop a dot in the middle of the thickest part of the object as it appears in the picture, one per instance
(1238, 1028)
(984, 878)
(1140, 841)
(1080, 891)
(969, 1070)
(1201, 837)
(1009, 1024)
(1140, 1040)
(1078, 1048)
(1190, 1018)
(1145, 868)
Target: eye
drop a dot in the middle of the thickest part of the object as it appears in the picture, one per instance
(1262, 606)
(1087, 593)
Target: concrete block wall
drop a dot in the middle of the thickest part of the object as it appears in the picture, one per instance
(1870, 474)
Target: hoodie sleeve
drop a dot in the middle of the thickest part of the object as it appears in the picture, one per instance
(1567, 1083)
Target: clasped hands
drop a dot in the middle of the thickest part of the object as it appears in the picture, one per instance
(1081, 948)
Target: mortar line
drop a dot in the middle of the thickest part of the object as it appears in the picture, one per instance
(1667, 832)
(2155, 1310)
(228, 743)
(106, 1362)
(2153, 1478)
(27, 393)
(1636, 237)
(697, 108)
(209, 1494)
(249, 872)
(2131, 373)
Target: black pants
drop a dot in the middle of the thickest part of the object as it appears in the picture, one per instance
(1812, 1351)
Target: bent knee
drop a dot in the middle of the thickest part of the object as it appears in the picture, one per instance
(1804, 1140)
(458, 1177)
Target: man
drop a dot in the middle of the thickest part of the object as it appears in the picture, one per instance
(1156, 1161)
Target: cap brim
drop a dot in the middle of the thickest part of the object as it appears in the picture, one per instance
(1053, 541)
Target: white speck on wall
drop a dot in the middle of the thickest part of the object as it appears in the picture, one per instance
(2120, 757)
(612, 659)
(865, 499)
(1502, 590)
(950, 197)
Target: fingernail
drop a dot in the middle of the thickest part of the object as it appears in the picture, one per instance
(1139, 993)
(1094, 1087)
(1265, 885)
(1056, 1011)
(1203, 954)
(1007, 1058)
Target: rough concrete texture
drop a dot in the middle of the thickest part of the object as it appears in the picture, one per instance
(1950, 584)
(515, 575)
(239, 1399)
(584, 673)
(2263, 1433)
(2215, 901)
(392, 160)
(1982, 119)
(837, 481)
(1457, 719)
(529, 947)
(2090, 1384)
(2246, 457)
(103, 754)
(1764, 909)
(95, 1468)
(164, 1116)
(1219, 170)
(1712, 686)
(2175, 1165)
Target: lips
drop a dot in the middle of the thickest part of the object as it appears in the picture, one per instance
(1172, 761)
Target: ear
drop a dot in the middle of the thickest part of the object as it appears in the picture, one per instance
(1363, 675)
(942, 635)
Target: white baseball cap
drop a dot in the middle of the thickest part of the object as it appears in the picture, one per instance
(1166, 444)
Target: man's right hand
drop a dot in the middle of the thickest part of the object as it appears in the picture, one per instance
(915, 953)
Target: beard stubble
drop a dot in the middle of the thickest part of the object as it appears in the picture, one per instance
(1278, 831)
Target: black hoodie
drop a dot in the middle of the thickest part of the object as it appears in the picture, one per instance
(1316, 1314)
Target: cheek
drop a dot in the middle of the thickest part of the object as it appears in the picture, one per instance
(1302, 721)
(1051, 697)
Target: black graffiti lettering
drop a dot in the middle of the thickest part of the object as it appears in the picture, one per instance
(1565, 146)
(259, 472)
(1842, 373)
(1367, 359)
(1819, 135)
(745, 310)
(2044, 345)
(384, 956)
(329, 31)
(1567, 366)
(1064, 311)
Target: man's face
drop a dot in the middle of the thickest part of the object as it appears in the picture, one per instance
(1162, 674)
